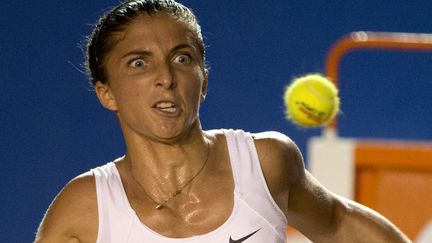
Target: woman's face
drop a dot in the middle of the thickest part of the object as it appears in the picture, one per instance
(156, 78)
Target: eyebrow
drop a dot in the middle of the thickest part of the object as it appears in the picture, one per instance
(137, 53)
(181, 46)
(148, 53)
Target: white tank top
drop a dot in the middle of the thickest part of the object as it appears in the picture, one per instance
(255, 217)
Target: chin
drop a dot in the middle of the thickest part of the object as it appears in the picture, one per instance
(175, 134)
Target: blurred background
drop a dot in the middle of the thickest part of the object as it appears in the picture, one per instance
(53, 128)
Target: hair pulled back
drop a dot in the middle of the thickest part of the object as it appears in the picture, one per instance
(101, 41)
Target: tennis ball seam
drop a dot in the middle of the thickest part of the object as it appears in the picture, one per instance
(318, 95)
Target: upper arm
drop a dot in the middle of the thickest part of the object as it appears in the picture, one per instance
(281, 165)
(308, 206)
(312, 209)
(72, 216)
(326, 217)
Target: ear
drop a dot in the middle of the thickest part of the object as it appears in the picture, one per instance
(105, 95)
(204, 86)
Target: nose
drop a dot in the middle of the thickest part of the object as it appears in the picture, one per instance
(165, 78)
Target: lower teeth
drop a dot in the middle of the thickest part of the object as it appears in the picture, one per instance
(170, 110)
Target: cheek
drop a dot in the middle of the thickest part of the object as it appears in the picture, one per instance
(194, 88)
(129, 96)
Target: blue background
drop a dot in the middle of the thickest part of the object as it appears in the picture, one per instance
(52, 127)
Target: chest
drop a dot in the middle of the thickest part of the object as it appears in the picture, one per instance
(242, 223)
(199, 210)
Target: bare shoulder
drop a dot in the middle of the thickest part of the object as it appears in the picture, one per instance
(277, 150)
(281, 162)
(214, 133)
(217, 138)
(271, 138)
(72, 216)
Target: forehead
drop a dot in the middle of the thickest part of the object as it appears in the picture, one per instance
(148, 31)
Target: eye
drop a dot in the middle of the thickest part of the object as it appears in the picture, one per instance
(137, 63)
(182, 59)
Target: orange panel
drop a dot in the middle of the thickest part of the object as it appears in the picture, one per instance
(395, 179)
(394, 155)
(366, 191)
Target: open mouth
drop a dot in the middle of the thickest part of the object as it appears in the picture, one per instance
(166, 106)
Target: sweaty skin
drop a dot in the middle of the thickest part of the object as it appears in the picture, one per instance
(156, 85)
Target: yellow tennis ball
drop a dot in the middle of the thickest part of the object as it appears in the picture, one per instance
(311, 100)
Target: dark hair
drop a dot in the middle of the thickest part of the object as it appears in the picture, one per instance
(100, 42)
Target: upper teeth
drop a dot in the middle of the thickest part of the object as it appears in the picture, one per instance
(163, 105)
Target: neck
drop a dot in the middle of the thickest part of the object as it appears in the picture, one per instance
(164, 162)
